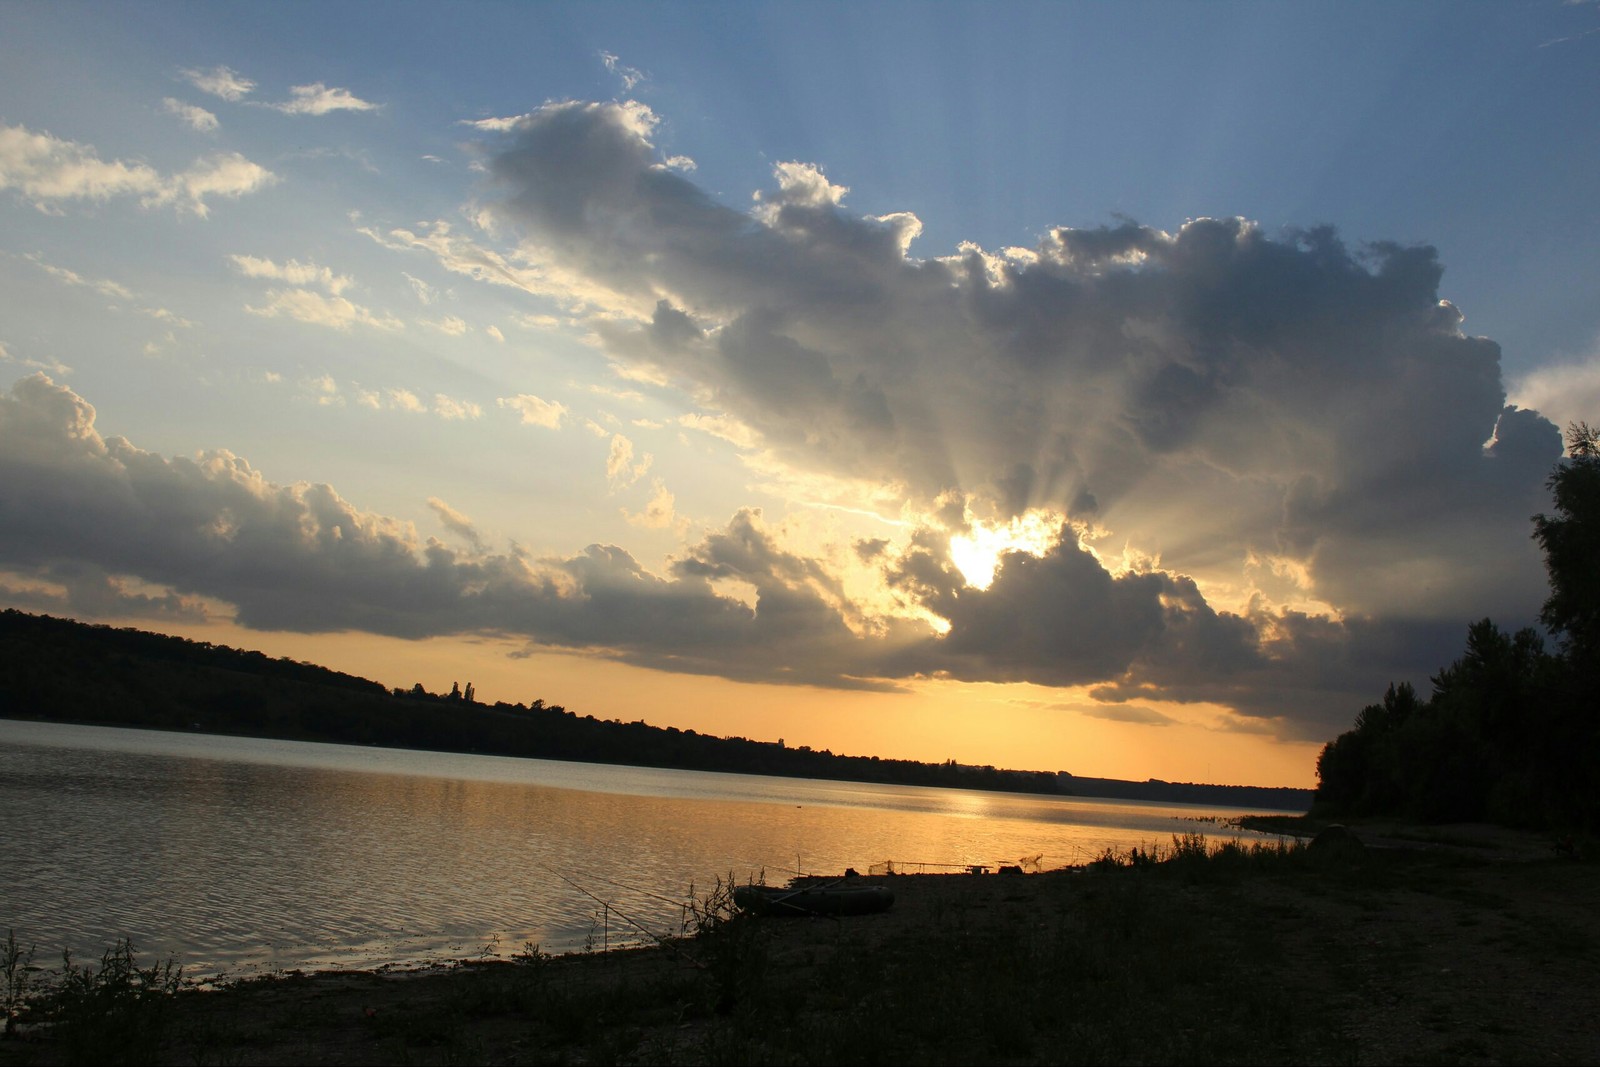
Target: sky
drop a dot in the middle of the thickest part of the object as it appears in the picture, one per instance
(1129, 389)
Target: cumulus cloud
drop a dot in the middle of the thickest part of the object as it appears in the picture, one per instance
(1209, 395)
(318, 99)
(395, 398)
(405, 400)
(48, 170)
(532, 411)
(1566, 392)
(196, 118)
(657, 513)
(449, 407)
(300, 557)
(621, 470)
(221, 81)
(1278, 473)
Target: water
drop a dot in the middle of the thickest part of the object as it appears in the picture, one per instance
(239, 856)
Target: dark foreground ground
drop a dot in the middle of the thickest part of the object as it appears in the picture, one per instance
(1470, 946)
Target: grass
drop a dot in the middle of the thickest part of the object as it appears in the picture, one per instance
(1192, 953)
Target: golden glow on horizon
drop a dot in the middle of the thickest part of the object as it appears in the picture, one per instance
(1015, 726)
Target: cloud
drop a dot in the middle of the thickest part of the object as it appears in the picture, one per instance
(396, 398)
(530, 272)
(85, 591)
(1566, 392)
(494, 332)
(104, 286)
(534, 411)
(318, 99)
(50, 366)
(447, 407)
(220, 81)
(451, 325)
(629, 76)
(426, 294)
(657, 513)
(293, 272)
(300, 557)
(48, 170)
(334, 312)
(324, 391)
(196, 118)
(405, 400)
(1279, 473)
(455, 522)
(1207, 395)
(621, 470)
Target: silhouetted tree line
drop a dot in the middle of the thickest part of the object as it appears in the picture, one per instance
(1511, 732)
(61, 670)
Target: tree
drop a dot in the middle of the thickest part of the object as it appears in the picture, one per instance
(1571, 543)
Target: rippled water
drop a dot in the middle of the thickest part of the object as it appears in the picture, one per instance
(239, 856)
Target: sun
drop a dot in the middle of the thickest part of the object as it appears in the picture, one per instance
(977, 552)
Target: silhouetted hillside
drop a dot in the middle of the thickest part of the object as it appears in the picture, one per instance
(64, 671)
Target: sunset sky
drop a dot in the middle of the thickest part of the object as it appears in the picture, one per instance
(1130, 389)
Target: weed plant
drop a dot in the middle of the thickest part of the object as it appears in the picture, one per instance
(16, 966)
(116, 1013)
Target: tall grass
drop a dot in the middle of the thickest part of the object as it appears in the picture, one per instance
(114, 1013)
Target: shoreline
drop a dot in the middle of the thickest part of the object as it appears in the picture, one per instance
(1438, 951)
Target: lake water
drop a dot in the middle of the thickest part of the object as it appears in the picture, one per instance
(238, 856)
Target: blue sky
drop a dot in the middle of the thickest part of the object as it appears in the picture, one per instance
(702, 361)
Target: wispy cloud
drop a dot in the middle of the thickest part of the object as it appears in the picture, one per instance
(455, 522)
(49, 171)
(220, 81)
(319, 99)
(103, 286)
(630, 76)
(196, 118)
(106, 287)
(294, 272)
(450, 325)
(319, 309)
(621, 470)
(658, 510)
(53, 366)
